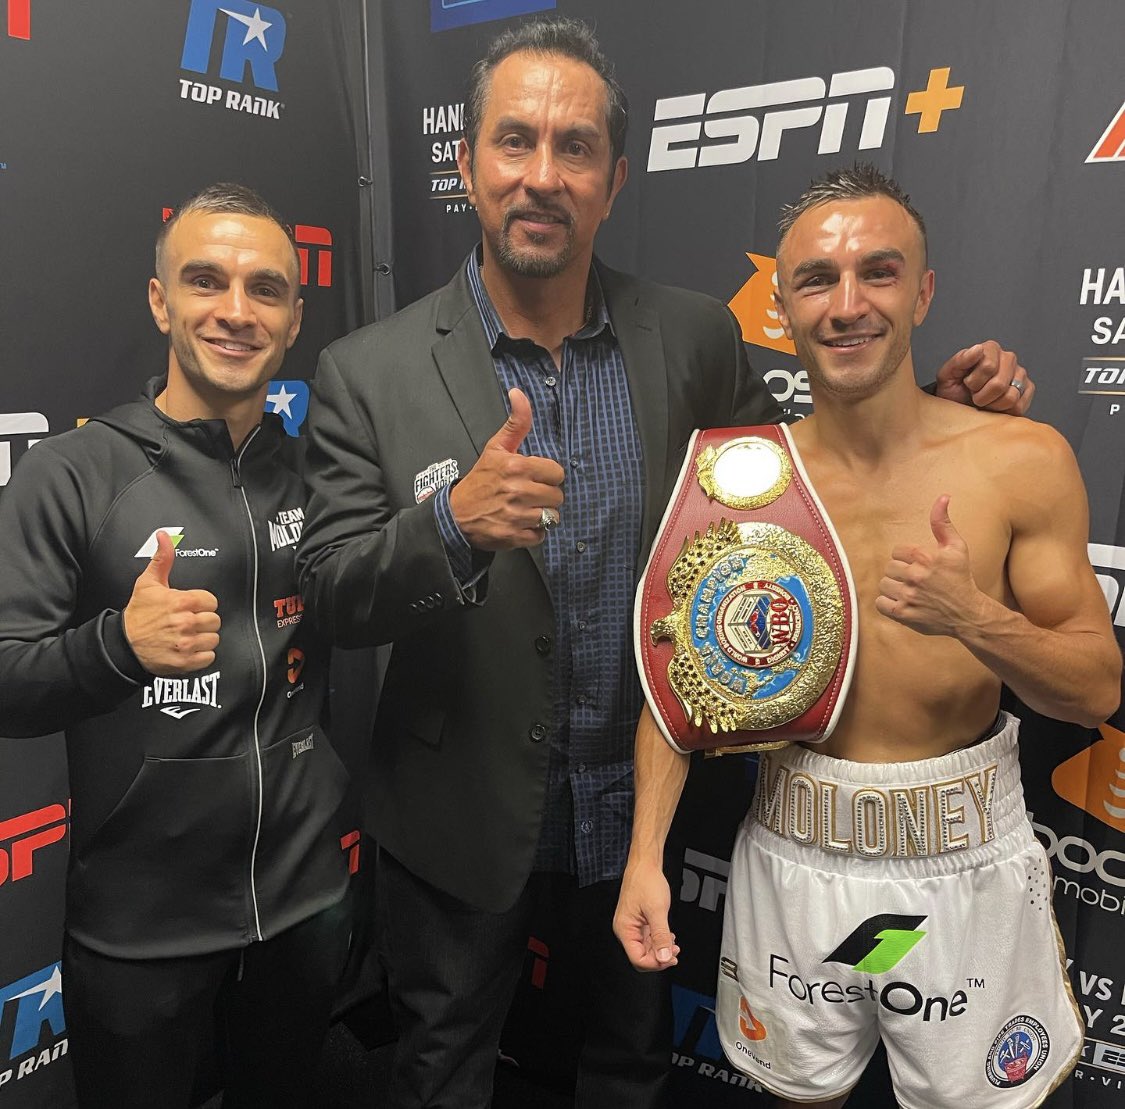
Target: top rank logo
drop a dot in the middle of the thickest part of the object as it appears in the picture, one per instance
(253, 40)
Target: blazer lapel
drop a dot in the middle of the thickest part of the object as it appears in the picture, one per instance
(465, 363)
(637, 327)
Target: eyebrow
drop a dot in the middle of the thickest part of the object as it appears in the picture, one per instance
(588, 131)
(826, 265)
(201, 265)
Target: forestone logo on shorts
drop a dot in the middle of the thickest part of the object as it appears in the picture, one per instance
(1019, 1050)
(878, 945)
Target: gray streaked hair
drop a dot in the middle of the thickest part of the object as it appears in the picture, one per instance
(568, 38)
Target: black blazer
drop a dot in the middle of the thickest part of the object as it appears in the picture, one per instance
(459, 762)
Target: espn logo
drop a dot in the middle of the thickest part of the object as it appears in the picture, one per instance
(19, 19)
(788, 105)
(22, 836)
(23, 428)
(321, 238)
(704, 879)
(1104, 557)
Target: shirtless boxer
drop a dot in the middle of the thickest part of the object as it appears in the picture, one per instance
(882, 871)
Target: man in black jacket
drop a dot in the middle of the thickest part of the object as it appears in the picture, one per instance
(487, 470)
(206, 880)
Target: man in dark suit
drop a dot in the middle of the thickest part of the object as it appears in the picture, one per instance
(487, 470)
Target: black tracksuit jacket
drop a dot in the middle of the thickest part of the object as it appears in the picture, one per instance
(207, 811)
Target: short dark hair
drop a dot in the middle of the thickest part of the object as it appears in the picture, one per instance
(569, 38)
(849, 183)
(221, 198)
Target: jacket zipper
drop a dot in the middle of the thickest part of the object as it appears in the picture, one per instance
(234, 464)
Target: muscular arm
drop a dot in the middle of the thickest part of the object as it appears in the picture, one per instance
(641, 920)
(1055, 649)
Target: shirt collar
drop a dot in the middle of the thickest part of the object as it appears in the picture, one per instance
(597, 314)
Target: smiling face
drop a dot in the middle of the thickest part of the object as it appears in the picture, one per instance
(852, 286)
(227, 300)
(541, 176)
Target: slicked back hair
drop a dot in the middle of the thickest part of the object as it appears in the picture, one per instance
(567, 38)
(856, 182)
(223, 198)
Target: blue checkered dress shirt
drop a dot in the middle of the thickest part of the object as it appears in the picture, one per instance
(583, 418)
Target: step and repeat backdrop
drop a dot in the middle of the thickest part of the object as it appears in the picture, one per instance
(1004, 120)
(111, 113)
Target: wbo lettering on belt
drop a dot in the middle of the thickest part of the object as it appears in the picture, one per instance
(745, 620)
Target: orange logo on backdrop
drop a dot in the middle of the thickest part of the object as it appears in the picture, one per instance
(753, 306)
(1094, 779)
(748, 1024)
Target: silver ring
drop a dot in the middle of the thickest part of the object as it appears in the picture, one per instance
(1017, 385)
(548, 518)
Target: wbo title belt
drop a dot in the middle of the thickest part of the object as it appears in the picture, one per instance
(745, 620)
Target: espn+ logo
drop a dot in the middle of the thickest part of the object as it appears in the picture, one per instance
(877, 946)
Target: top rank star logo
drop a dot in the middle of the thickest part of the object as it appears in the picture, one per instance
(49, 987)
(255, 25)
(280, 400)
(290, 401)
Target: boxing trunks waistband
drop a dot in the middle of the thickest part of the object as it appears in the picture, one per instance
(745, 622)
(953, 803)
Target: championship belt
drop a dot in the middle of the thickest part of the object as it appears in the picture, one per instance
(745, 620)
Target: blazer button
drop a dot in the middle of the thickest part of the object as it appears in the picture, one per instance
(543, 644)
(537, 733)
(437, 598)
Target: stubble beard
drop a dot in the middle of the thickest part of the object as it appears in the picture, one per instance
(854, 386)
(526, 261)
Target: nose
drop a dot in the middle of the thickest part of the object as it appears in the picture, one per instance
(543, 172)
(849, 302)
(235, 307)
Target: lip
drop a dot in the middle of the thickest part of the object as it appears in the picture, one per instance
(540, 221)
(848, 344)
(244, 350)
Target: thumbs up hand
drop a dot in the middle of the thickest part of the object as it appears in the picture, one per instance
(171, 631)
(499, 502)
(931, 590)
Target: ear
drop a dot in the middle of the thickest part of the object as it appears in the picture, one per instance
(617, 182)
(158, 304)
(295, 326)
(925, 297)
(465, 165)
(782, 315)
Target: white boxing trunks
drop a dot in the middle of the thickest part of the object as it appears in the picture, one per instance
(908, 901)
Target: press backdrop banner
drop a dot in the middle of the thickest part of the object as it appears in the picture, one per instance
(1005, 122)
(111, 113)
